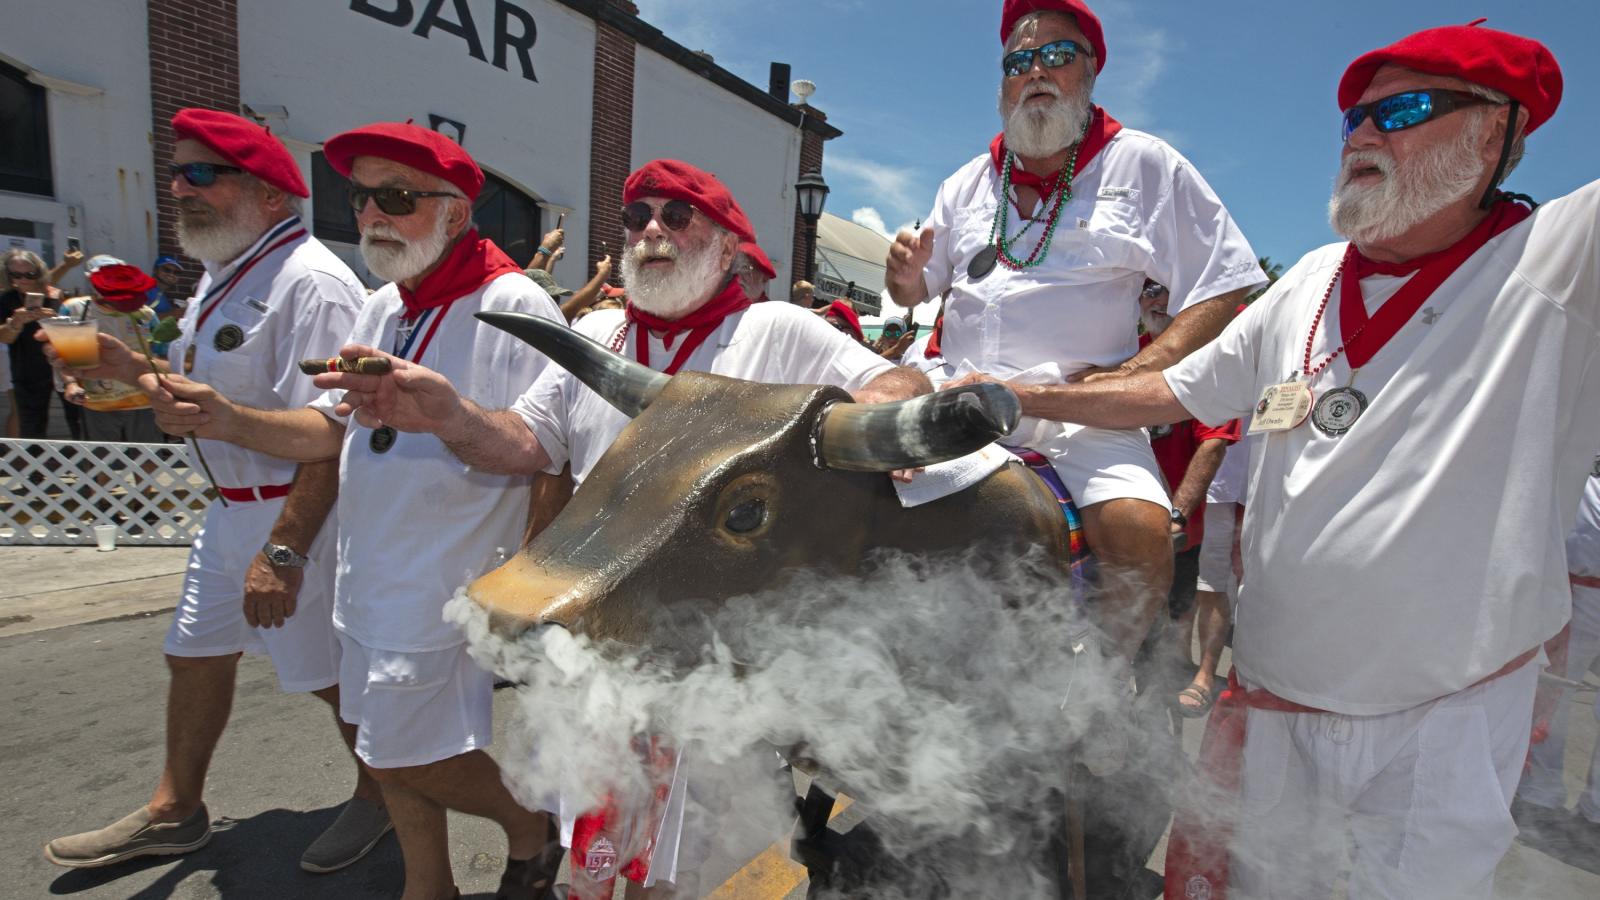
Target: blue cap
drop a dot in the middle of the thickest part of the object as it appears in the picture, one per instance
(167, 261)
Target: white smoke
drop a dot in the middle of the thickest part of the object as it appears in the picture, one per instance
(946, 698)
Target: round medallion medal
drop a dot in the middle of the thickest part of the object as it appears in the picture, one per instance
(228, 338)
(983, 263)
(382, 439)
(1337, 410)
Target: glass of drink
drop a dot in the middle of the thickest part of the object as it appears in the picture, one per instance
(76, 340)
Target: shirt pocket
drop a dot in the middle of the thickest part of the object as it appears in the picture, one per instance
(1100, 234)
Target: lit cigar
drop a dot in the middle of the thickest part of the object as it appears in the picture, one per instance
(361, 365)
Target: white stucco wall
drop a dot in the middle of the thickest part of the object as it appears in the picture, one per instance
(334, 69)
(679, 115)
(99, 113)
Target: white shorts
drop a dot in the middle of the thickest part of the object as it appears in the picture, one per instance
(1216, 549)
(1098, 464)
(1423, 794)
(414, 708)
(209, 620)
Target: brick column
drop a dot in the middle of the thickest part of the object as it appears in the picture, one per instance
(194, 61)
(610, 139)
(810, 161)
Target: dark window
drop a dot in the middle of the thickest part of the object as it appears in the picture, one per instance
(332, 219)
(508, 217)
(25, 149)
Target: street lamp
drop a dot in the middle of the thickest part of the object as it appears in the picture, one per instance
(813, 195)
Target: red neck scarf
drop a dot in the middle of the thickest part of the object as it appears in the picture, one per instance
(933, 349)
(1432, 270)
(470, 264)
(699, 324)
(1102, 128)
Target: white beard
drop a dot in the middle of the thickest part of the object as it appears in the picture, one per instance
(1035, 130)
(1408, 195)
(1154, 324)
(229, 234)
(411, 259)
(695, 277)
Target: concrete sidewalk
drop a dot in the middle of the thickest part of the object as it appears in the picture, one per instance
(54, 587)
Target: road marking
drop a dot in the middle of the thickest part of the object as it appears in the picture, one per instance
(772, 875)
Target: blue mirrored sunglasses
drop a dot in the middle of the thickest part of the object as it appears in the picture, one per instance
(202, 174)
(1397, 112)
(1053, 55)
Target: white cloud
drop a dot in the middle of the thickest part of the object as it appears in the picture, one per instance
(868, 217)
(887, 186)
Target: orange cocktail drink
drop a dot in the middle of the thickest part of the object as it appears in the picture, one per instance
(77, 341)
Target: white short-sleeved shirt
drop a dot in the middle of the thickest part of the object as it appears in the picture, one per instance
(1229, 484)
(775, 343)
(289, 298)
(1583, 542)
(1139, 209)
(416, 523)
(1424, 548)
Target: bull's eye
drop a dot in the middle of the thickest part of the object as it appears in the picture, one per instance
(747, 516)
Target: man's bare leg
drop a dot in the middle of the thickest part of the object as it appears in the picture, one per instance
(367, 787)
(199, 701)
(418, 797)
(420, 825)
(1211, 620)
(1131, 540)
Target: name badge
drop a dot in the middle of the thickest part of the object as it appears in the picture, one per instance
(1282, 407)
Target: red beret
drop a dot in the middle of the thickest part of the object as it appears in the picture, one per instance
(753, 250)
(846, 312)
(408, 145)
(1519, 67)
(677, 180)
(244, 144)
(1088, 22)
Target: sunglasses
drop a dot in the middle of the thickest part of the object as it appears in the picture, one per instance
(30, 275)
(392, 201)
(1053, 55)
(675, 214)
(202, 174)
(1397, 112)
(1153, 290)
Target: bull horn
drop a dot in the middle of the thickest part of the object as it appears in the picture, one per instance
(922, 431)
(623, 383)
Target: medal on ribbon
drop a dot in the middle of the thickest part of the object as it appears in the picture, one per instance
(1337, 410)
(228, 337)
(382, 439)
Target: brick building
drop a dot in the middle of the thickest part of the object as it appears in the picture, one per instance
(557, 99)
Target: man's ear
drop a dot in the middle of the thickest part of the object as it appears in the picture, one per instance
(730, 249)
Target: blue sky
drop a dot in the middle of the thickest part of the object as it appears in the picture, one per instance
(1243, 88)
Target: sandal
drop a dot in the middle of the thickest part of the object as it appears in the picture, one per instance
(1197, 693)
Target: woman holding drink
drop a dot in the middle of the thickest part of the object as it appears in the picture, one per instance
(26, 299)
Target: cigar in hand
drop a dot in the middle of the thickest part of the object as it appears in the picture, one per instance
(361, 365)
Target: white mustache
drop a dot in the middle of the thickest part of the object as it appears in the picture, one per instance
(1363, 159)
(644, 251)
(382, 232)
(1042, 87)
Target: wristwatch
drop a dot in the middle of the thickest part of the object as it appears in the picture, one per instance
(283, 557)
(1180, 518)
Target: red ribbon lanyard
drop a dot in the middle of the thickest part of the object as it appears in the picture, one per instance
(698, 325)
(210, 303)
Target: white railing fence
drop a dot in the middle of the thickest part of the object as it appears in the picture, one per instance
(55, 492)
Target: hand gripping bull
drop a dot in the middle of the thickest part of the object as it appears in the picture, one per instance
(714, 490)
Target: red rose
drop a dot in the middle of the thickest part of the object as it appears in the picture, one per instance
(122, 287)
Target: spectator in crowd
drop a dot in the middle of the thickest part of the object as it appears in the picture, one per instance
(1541, 804)
(573, 303)
(894, 340)
(411, 518)
(114, 410)
(166, 297)
(1189, 453)
(802, 293)
(69, 261)
(33, 381)
(841, 316)
(551, 248)
(1218, 576)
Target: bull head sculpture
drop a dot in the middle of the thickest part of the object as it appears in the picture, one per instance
(719, 485)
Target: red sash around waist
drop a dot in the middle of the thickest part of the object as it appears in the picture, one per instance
(252, 494)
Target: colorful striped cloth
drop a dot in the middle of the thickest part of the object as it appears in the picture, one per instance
(1080, 561)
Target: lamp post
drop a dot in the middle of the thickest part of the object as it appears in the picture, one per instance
(812, 192)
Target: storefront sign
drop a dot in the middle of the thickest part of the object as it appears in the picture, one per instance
(513, 26)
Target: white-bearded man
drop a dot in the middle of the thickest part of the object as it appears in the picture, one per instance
(1404, 547)
(1043, 244)
(272, 294)
(686, 312)
(414, 524)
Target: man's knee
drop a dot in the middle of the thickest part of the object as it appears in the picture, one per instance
(1129, 531)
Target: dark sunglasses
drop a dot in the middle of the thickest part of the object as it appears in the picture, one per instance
(392, 201)
(31, 274)
(1054, 55)
(675, 214)
(1397, 112)
(1153, 290)
(202, 174)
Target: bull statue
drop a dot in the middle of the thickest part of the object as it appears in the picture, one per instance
(712, 492)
